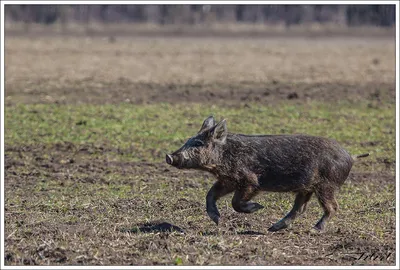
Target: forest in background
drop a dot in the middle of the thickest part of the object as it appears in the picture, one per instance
(342, 15)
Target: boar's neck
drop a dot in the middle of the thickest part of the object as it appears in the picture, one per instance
(236, 154)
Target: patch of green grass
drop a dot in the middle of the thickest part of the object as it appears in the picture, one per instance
(146, 132)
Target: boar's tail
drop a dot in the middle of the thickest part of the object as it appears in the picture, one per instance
(360, 156)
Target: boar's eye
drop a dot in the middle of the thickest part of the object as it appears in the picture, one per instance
(198, 143)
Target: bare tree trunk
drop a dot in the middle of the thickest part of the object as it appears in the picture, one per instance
(186, 14)
(27, 17)
(260, 18)
(85, 15)
(64, 18)
(308, 13)
(341, 15)
(152, 13)
(209, 14)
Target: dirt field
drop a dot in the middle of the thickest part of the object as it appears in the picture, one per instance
(88, 122)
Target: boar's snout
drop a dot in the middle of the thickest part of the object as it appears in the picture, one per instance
(169, 159)
(176, 160)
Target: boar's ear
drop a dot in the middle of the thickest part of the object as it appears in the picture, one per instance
(219, 132)
(208, 123)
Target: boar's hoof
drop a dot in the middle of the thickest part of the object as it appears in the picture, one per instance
(278, 226)
(317, 228)
(214, 216)
(254, 207)
(247, 207)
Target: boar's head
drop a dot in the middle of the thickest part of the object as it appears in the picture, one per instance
(203, 149)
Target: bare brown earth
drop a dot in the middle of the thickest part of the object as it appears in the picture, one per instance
(75, 206)
(214, 30)
(126, 91)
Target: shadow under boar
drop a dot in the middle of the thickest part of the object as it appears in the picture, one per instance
(248, 164)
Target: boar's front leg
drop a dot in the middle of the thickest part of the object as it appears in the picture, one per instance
(240, 201)
(299, 207)
(218, 190)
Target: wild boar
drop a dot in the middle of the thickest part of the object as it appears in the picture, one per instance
(248, 164)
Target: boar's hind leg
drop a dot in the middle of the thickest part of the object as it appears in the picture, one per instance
(217, 191)
(326, 198)
(240, 201)
(298, 208)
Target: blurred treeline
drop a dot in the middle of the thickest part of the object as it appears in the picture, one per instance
(344, 15)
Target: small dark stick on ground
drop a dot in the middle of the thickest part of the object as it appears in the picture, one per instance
(361, 156)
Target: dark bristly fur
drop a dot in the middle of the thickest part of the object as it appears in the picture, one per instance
(248, 164)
